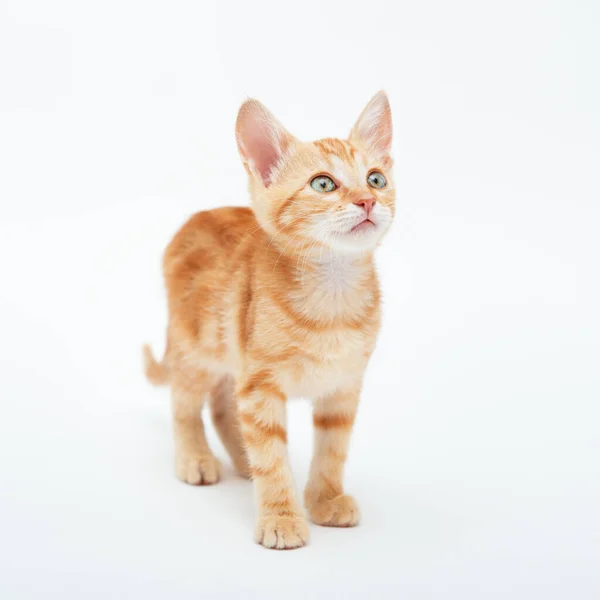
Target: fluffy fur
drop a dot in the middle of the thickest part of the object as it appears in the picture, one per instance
(277, 301)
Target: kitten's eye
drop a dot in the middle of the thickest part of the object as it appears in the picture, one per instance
(322, 183)
(376, 180)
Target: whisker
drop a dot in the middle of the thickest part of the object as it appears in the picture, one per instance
(278, 232)
(260, 226)
(305, 230)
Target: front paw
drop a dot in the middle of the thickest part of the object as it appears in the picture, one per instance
(341, 511)
(197, 469)
(282, 532)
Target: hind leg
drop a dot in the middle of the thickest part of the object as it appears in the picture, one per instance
(194, 461)
(224, 416)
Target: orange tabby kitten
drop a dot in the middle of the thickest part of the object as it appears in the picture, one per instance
(275, 301)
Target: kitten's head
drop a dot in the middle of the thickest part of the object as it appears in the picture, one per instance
(330, 193)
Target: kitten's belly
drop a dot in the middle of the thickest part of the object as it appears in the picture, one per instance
(302, 375)
(313, 381)
(312, 377)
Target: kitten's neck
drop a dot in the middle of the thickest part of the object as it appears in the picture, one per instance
(326, 285)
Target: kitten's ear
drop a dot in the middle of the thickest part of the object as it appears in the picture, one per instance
(374, 126)
(262, 140)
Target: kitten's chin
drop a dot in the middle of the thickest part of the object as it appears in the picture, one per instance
(359, 240)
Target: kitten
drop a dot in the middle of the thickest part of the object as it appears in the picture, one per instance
(275, 301)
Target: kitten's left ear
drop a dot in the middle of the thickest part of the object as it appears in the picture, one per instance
(374, 126)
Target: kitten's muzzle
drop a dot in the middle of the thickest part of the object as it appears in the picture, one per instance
(366, 204)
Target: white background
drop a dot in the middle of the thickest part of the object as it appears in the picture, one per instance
(476, 456)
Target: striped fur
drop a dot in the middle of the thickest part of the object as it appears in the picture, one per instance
(276, 301)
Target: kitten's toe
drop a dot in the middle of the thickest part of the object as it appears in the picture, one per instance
(197, 469)
(282, 532)
(341, 511)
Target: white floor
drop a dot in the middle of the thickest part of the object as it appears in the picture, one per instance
(476, 455)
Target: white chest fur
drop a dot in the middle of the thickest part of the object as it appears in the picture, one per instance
(333, 287)
(337, 290)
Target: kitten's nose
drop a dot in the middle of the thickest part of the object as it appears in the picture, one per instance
(367, 204)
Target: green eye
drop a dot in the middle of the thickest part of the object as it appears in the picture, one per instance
(322, 183)
(376, 180)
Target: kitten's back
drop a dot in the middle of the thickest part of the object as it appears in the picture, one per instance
(206, 242)
(200, 261)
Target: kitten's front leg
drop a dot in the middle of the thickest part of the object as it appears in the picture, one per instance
(324, 496)
(281, 521)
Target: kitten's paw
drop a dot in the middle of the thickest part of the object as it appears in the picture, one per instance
(282, 532)
(197, 470)
(341, 511)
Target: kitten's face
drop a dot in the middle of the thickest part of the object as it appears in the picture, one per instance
(334, 194)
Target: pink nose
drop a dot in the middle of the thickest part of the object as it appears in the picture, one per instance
(367, 204)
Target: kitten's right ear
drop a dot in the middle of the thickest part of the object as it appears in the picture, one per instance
(262, 140)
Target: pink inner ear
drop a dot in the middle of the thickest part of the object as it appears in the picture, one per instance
(377, 131)
(261, 140)
(383, 135)
(264, 156)
(374, 126)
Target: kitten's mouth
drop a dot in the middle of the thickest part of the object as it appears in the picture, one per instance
(363, 225)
